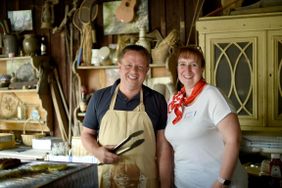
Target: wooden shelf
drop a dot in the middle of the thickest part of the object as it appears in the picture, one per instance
(98, 67)
(157, 65)
(114, 66)
(34, 95)
(18, 121)
(17, 125)
(17, 90)
(15, 58)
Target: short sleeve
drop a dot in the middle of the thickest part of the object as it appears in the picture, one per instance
(90, 119)
(220, 106)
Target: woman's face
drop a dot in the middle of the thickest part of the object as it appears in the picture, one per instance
(189, 70)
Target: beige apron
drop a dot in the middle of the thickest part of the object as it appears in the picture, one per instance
(137, 167)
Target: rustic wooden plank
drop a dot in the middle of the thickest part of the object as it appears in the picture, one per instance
(172, 15)
(3, 12)
(60, 114)
(154, 8)
(18, 126)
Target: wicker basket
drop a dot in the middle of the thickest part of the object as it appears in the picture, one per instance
(7, 141)
(160, 54)
(27, 138)
(77, 148)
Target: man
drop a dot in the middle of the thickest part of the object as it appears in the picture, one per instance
(115, 112)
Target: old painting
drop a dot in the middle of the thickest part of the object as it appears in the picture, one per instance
(112, 25)
(21, 20)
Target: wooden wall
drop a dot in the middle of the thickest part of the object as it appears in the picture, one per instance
(164, 15)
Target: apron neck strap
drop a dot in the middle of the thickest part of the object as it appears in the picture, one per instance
(113, 101)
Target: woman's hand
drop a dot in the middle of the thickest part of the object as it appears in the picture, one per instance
(218, 185)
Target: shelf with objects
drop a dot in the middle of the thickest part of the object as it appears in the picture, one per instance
(24, 94)
(245, 62)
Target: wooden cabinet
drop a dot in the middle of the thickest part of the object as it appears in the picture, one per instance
(27, 94)
(244, 58)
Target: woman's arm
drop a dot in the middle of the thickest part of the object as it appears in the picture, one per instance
(229, 127)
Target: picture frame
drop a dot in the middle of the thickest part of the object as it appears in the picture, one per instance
(113, 26)
(21, 20)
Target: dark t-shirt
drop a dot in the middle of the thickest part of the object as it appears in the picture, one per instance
(155, 106)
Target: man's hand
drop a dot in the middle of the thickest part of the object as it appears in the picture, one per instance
(105, 156)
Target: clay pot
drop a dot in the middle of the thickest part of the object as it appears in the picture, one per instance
(30, 44)
(10, 44)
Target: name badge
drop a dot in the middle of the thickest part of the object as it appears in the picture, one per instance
(190, 114)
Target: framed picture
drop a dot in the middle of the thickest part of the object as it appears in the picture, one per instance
(114, 26)
(21, 20)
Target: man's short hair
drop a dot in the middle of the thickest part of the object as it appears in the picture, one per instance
(137, 48)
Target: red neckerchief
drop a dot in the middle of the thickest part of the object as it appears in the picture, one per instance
(179, 100)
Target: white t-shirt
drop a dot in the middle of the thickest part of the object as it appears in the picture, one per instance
(198, 145)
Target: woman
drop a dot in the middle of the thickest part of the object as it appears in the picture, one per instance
(203, 129)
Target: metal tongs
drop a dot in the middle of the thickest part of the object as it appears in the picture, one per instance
(117, 149)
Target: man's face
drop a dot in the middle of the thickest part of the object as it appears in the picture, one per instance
(133, 68)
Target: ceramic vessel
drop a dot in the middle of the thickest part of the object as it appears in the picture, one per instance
(30, 44)
(142, 41)
(10, 44)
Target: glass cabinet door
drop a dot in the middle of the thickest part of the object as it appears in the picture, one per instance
(275, 78)
(233, 67)
(233, 73)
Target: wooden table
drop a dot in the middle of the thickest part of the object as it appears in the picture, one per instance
(75, 175)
